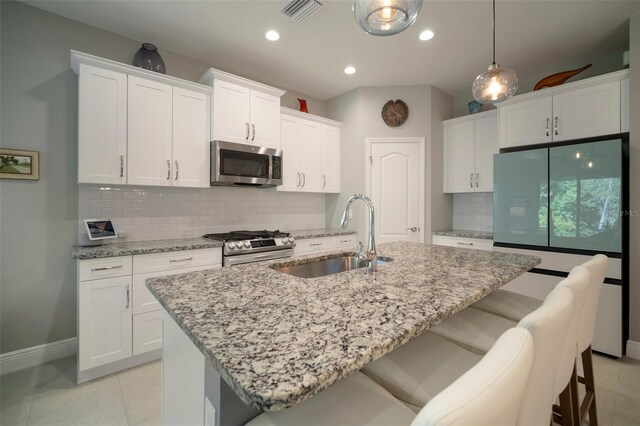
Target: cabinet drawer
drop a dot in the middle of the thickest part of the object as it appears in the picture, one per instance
(314, 245)
(147, 332)
(471, 243)
(143, 300)
(176, 260)
(107, 267)
(345, 241)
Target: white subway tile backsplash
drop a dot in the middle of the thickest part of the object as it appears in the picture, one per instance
(473, 211)
(160, 213)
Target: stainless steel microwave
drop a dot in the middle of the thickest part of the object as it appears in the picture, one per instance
(236, 164)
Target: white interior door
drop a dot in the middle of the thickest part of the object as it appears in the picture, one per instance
(396, 188)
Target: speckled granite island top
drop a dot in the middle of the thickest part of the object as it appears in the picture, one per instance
(277, 339)
(319, 233)
(142, 247)
(484, 235)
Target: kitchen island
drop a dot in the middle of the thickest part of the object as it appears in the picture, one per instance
(268, 340)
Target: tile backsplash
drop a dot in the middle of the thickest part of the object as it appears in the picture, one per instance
(473, 212)
(148, 213)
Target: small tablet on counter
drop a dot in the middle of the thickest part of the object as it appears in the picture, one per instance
(100, 229)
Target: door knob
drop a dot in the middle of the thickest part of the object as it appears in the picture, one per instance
(413, 229)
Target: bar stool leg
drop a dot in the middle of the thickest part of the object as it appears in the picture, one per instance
(575, 398)
(589, 402)
(566, 409)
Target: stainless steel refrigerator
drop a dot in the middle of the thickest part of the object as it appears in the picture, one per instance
(569, 198)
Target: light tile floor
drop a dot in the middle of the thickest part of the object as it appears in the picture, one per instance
(47, 395)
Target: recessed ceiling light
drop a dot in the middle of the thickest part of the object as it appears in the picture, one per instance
(272, 35)
(426, 35)
(349, 70)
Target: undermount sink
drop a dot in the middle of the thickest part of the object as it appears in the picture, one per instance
(321, 268)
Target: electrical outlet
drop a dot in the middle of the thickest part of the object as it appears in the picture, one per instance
(187, 232)
(350, 213)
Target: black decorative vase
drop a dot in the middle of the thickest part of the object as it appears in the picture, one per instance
(147, 57)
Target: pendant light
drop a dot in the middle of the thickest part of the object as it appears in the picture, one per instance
(386, 17)
(496, 84)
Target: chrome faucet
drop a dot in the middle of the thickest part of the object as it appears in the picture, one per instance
(370, 254)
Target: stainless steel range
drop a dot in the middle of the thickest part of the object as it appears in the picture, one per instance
(253, 246)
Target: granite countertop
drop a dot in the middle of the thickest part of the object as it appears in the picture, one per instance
(142, 247)
(277, 339)
(319, 233)
(484, 235)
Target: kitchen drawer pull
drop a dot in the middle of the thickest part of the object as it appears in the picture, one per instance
(168, 169)
(177, 170)
(464, 244)
(106, 268)
(315, 244)
(122, 166)
(186, 259)
(555, 126)
(247, 137)
(253, 132)
(546, 127)
(128, 296)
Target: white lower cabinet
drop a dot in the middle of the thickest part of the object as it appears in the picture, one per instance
(319, 245)
(104, 317)
(470, 243)
(119, 320)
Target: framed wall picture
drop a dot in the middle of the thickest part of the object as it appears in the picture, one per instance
(18, 164)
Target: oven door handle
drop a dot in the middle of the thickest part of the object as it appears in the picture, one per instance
(257, 257)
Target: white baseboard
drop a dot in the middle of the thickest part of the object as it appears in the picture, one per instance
(35, 355)
(633, 349)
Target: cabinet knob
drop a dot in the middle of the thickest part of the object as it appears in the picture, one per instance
(414, 229)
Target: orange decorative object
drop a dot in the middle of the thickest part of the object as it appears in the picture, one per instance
(303, 105)
(559, 78)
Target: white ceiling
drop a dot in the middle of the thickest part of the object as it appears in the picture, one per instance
(310, 56)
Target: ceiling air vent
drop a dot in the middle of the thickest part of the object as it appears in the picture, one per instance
(299, 10)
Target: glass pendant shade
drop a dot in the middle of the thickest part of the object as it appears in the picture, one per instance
(386, 17)
(495, 85)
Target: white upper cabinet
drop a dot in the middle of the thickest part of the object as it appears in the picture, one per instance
(139, 127)
(102, 126)
(526, 123)
(150, 132)
(243, 111)
(311, 153)
(230, 112)
(585, 108)
(590, 111)
(469, 145)
(190, 138)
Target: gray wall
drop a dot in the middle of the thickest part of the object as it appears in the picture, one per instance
(39, 219)
(359, 110)
(634, 302)
(601, 65)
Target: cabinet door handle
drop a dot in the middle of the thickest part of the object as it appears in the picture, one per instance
(298, 185)
(168, 169)
(477, 179)
(315, 244)
(253, 132)
(186, 259)
(247, 137)
(177, 170)
(413, 229)
(464, 244)
(128, 296)
(471, 180)
(304, 179)
(324, 181)
(122, 166)
(546, 127)
(555, 126)
(345, 241)
(107, 268)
